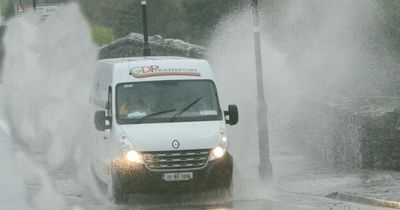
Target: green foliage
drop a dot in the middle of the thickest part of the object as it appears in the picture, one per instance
(166, 18)
(203, 15)
(391, 24)
(3, 6)
(6, 7)
(190, 20)
(102, 35)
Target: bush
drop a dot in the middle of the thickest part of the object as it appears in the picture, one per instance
(102, 35)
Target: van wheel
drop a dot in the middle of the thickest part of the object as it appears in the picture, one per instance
(226, 187)
(118, 193)
(225, 192)
(225, 180)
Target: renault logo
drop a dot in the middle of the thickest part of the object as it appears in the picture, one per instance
(175, 144)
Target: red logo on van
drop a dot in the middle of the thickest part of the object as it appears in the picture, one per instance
(154, 71)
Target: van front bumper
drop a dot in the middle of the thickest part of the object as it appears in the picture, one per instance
(136, 178)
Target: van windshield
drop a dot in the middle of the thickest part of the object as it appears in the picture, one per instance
(167, 101)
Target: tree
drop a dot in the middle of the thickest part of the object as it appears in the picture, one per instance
(391, 25)
(190, 20)
(125, 16)
(202, 16)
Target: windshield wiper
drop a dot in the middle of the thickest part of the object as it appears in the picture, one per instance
(154, 114)
(184, 109)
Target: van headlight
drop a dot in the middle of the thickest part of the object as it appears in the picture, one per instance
(220, 150)
(134, 156)
(127, 149)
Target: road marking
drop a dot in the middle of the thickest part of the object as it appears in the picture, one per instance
(5, 127)
(364, 200)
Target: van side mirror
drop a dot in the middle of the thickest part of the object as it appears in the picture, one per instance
(100, 120)
(232, 114)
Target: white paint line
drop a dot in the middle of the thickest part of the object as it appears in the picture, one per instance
(5, 127)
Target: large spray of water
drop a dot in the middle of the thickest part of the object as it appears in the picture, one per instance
(310, 48)
(48, 71)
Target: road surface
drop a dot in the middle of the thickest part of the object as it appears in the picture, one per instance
(79, 197)
(18, 192)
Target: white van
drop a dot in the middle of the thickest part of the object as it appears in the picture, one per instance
(160, 126)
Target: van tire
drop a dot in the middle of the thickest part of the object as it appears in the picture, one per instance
(118, 192)
(225, 192)
(225, 180)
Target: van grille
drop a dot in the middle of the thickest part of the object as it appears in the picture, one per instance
(166, 160)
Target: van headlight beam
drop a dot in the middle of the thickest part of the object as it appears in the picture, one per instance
(220, 150)
(134, 156)
(127, 149)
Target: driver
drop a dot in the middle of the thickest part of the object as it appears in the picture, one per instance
(134, 105)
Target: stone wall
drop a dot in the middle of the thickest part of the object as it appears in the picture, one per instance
(132, 45)
(357, 132)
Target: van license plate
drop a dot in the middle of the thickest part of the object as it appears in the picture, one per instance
(171, 177)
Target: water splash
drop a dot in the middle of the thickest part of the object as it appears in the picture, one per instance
(310, 48)
(48, 70)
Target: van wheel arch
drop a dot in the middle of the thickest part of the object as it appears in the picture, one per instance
(118, 192)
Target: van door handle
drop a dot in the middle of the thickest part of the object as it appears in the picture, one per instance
(105, 137)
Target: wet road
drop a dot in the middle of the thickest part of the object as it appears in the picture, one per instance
(275, 199)
(248, 195)
(277, 202)
(192, 202)
(78, 196)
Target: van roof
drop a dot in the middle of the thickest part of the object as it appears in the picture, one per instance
(148, 59)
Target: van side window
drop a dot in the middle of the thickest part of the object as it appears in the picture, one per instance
(109, 102)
